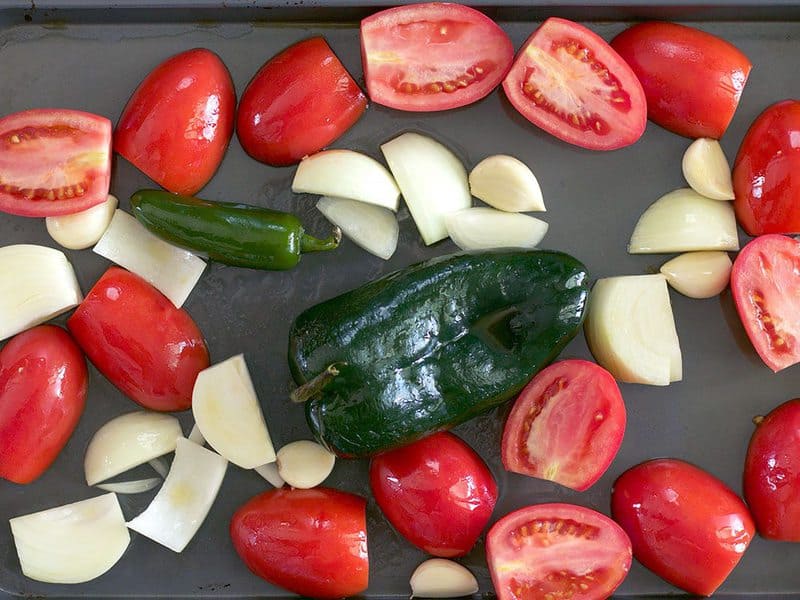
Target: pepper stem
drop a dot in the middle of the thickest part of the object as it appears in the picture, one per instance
(309, 243)
(310, 389)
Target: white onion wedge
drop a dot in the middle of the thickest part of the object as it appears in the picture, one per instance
(432, 179)
(160, 466)
(685, 221)
(227, 411)
(270, 473)
(631, 331)
(137, 486)
(373, 228)
(128, 441)
(706, 169)
(442, 578)
(506, 183)
(172, 270)
(698, 274)
(73, 543)
(304, 464)
(196, 436)
(36, 284)
(347, 174)
(483, 228)
(83, 229)
(183, 502)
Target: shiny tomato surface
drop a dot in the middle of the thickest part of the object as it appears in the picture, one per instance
(136, 337)
(43, 384)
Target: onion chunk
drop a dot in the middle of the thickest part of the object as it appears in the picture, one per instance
(373, 228)
(482, 228)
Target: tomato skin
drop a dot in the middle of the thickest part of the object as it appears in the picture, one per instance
(557, 551)
(43, 384)
(310, 542)
(177, 124)
(136, 337)
(765, 173)
(685, 524)
(762, 272)
(571, 416)
(772, 473)
(421, 36)
(298, 102)
(557, 82)
(53, 162)
(437, 492)
(693, 80)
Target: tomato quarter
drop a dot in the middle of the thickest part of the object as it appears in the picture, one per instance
(434, 56)
(53, 162)
(557, 551)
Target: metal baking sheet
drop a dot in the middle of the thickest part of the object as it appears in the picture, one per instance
(92, 59)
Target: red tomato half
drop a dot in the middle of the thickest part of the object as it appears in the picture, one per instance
(766, 172)
(300, 101)
(763, 274)
(772, 473)
(566, 426)
(434, 56)
(311, 542)
(567, 80)
(685, 525)
(53, 162)
(693, 80)
(136, 337)
(437, 492)
(177, 125)
(557, 551)
(43, 383)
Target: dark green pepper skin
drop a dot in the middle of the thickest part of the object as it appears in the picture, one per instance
(233, 234)
(433, 345)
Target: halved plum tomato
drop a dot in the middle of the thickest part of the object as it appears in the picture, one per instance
(53, 162)
(434, 56)
(763, 275)
(567, 80)
(557, 551)
(566, 425)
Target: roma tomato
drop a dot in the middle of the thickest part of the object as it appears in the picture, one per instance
(177, 125)
(136, 337)
(772, 473)
(557, 551)
(762, 273)
(685, 525)
(567, 80)
(566, 425)
(311, 542)
(434, 56)
(766, 172)
(437, 492)
(693, 80)
(43, 383)
(300, 101)
(53, 162)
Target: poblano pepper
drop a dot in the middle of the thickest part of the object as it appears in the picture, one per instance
(433, 345)
(233, 234)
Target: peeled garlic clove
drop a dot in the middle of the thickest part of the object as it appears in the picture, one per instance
(698, 274)
(304, 464)
(707, 171)
(442, 578)
(483, 228)
(373, 228)
(506, 184)
(83, 229)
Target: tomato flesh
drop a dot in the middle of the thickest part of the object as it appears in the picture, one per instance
(311, 542)
(557, 551)
(433, 56)
(43, 384)
(566, 425)
(685, 525)
(766, 172)
(568, 81)
(762, 273)
(53, 162)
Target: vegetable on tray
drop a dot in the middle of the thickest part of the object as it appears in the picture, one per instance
(82, 229)
(442, 578)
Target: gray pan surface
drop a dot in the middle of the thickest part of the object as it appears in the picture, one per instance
(593, 201)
